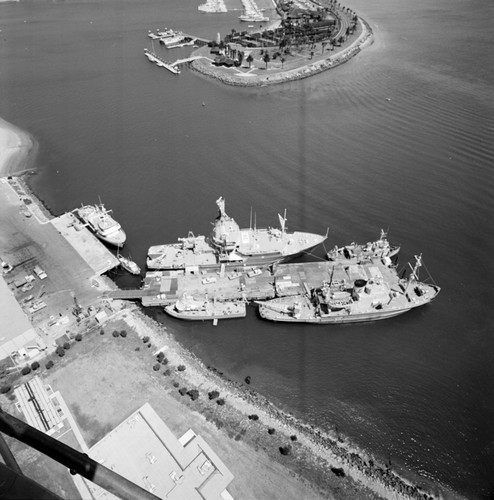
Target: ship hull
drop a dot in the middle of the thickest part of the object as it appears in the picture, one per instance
(212, 261)
(300, 309)
(230, 311)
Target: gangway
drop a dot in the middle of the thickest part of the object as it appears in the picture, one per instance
(127, 294)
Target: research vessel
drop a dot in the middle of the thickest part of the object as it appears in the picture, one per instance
(353, 294)
(188, 308)
(230, 245)
(356, 253)
(102, 224)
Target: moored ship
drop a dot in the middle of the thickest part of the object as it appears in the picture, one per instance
(102, 224)
(372, 296)
(188, 308)
(230, 245)
(355, 253)
(129, 265)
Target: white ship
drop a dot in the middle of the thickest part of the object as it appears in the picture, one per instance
(103, 225)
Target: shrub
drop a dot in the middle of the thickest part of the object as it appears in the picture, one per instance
(137, 349)
(338, 471)
(181, 368)
(34, 365)
(115, 333)
(271, 430)
(156, 367)
(145, 340)
(66, 346)
(123, 333)
(183, 391)
(160, 357)
(26, 370)
(293, 438)
(247, 379)
(165, 361)
(102, 332)
(49, 364)
(4, 389)
(254, 417)
(60, 351)
(213, 394)
(175, 384)
(166, 373)
(220, 401)
(194, 394)
(78, 337)
(285, 450)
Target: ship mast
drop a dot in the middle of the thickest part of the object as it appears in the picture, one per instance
(414, 274)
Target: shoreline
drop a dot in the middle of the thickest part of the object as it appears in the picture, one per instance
(318, 453)
(18, 150)
(365, 39)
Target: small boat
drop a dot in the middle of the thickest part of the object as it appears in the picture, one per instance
(188, 308)
(366, 300)
(129, 265)
(356, 253)
(103, 225)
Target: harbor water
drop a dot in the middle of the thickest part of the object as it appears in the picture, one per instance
(400, 138)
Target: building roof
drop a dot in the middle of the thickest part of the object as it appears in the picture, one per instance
(145, 451)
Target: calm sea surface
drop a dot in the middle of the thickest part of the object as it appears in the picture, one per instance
(401, 137)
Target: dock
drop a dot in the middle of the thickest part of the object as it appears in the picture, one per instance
(162, 288)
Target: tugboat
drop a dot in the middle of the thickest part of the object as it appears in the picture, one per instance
(102, 224)
(382, 295)
(190, 309)
(230, 245)
(356, 253)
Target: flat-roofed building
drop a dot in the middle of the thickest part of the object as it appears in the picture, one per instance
(145, 451)
(39, 406)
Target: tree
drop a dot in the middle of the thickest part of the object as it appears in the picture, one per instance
(282, 62)
(323, 44)
(266, 58)
(250, 59)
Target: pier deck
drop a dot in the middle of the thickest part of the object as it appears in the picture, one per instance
(166, 287)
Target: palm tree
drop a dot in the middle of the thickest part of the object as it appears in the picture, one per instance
(282, 62)
(323, 44)
(266, 58)
(249, 59)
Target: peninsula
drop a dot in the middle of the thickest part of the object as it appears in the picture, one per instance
(300, 39)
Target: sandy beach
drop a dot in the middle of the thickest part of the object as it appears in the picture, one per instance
(17, 150)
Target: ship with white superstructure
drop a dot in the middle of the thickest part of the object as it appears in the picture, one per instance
(102, 224)
(230, 245)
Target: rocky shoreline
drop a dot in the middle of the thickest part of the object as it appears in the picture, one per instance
(329, 453)
(205, 67)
